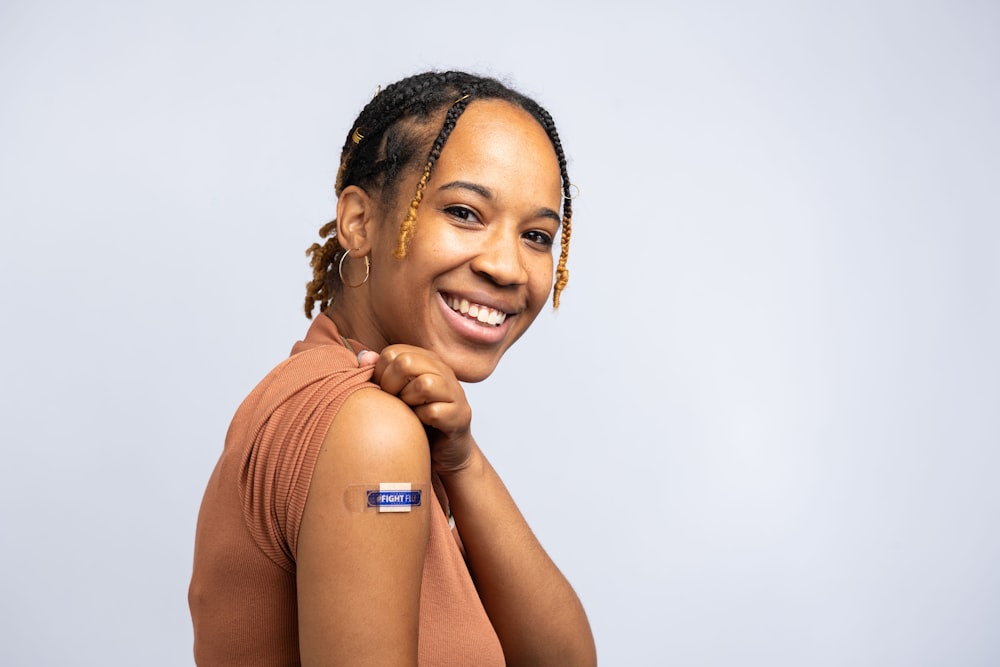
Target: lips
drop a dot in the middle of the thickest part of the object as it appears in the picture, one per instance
(483, 314)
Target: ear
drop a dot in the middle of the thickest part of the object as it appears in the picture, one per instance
(355, 220)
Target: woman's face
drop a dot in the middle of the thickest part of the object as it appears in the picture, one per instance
(479, 267)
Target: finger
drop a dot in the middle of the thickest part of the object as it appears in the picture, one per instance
(427, 388)
(397, 366)
(383, 362)
(367, 358)
(448, 418)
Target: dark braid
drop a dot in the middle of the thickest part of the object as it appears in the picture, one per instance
(406, 229)
(389, 136)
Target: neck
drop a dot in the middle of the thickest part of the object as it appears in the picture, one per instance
(354, 321)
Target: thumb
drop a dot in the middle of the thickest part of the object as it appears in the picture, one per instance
(367, 358)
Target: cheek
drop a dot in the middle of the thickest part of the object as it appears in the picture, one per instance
(542, 278)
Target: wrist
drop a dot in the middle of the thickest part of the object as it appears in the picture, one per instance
(472, 466)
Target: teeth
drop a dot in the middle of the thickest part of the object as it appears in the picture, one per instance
(480, 313)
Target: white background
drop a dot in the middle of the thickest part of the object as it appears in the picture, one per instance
(762, 429)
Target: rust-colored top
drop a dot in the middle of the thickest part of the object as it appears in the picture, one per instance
(242, 594)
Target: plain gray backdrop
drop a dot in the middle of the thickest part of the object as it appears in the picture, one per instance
(763, 427)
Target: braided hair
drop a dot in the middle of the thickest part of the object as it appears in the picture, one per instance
(388, 138)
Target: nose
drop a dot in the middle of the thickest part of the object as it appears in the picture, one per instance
(500, 259)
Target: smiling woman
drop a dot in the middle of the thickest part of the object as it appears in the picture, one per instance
(352, 519)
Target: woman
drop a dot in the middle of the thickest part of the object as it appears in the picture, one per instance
(352, 519)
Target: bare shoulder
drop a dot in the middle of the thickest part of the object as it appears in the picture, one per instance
(374, 438)
(376, 432)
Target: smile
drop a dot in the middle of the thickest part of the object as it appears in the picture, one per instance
(475, 311)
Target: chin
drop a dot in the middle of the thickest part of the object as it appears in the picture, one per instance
(472, 370)
(471, 379)
(473, 376)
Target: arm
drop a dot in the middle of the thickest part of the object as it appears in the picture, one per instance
(532, 606)
(534, 610)
(359, 573)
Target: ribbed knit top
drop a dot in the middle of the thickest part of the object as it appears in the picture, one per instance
(242, 594)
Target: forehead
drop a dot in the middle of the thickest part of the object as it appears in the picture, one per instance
(504, 144)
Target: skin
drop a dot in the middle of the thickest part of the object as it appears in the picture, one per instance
(484, 233)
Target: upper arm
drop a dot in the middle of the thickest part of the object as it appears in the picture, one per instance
(359, 572)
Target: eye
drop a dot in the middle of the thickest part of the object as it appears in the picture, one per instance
(539, 238)
(462, 213)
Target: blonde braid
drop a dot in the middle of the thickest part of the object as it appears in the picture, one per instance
(322, 259)
(408, 225)
(406, 228)
(562, 273)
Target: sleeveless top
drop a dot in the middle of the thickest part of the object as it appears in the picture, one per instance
(242, 593)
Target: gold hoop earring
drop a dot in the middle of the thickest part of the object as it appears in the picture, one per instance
(340, 270)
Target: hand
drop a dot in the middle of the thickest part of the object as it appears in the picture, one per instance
(424, 382)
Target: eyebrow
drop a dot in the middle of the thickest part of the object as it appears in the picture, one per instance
(486, 193)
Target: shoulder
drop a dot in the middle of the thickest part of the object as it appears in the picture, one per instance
(374, 439)
(377, 431)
